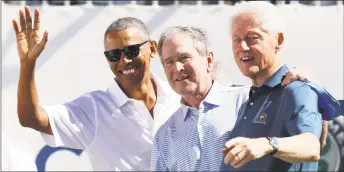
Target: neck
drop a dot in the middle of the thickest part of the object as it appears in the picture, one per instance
(196, 99)
(146, 92)
(267, 73)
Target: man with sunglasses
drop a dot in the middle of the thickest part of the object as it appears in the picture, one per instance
(114, 126)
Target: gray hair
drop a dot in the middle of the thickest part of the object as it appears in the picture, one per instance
(268, 15)
(197, 36)
(128, 22)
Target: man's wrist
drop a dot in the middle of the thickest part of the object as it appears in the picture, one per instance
(273, 142)
(268, 148)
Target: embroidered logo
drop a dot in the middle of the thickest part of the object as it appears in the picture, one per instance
(260, 118)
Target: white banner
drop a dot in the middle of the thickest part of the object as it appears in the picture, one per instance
(73, 61)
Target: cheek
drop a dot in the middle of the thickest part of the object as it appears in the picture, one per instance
(168, 73)
(236, 54)
(112, 66)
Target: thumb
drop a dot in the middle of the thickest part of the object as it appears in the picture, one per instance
(43, 41)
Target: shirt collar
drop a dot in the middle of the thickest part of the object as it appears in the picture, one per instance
(120, 98)
(212, 99)
(276, 78)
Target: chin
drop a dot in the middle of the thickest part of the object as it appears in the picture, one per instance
(187, 91)
(248, 72)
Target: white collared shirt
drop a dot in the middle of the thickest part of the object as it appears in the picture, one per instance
(116, 131)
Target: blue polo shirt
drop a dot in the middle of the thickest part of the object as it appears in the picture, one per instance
(278, 112)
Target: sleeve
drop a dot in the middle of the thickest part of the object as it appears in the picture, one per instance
(157, 162)
(328, 105)
(72, 123)
(304, 115)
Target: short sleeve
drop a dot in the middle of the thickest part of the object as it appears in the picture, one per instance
(328, 105)
(72, 123)
(305, 116)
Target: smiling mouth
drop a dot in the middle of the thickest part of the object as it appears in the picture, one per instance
(128, 71)
(247, 58)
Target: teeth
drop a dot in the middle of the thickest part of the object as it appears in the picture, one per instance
(246, 58)
(129, 71)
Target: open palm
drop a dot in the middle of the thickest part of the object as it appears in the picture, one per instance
(29, 44)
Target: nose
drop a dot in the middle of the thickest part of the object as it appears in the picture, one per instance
(179, 66)
(244, 46)
(125, 59)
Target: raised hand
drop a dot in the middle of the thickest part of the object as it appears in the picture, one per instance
(29, 44)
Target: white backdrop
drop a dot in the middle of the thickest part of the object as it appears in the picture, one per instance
(73, 60)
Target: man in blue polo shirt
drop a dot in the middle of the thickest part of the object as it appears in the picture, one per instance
(278, 128)
(192, 138)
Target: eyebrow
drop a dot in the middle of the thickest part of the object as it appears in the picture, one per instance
(167, 59)
(184, 54)
(253, 33)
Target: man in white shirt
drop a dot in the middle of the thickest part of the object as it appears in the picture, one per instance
(15, 159)
(115, 126)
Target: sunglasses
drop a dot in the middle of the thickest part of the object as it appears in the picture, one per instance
(130, 51)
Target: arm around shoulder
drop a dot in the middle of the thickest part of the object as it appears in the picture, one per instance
(304, 124)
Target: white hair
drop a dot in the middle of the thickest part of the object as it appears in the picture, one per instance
(268, 15)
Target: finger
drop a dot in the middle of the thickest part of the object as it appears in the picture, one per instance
(234, 154)
(36, 20)
(43, 41)
(244, 161)
(239, 157)
(228, 146)
(302, 78)
(28, 18)
(285, 81)
(22, 20)
(323, 143)
(231, 143)
(231, 155)
(15, 27)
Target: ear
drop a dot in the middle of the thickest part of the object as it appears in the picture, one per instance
(280, 41)
(153, 48)
(210, 60)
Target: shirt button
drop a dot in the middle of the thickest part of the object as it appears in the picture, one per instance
(251, 103)
(244, 117)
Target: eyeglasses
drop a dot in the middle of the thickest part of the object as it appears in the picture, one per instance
(130, 51)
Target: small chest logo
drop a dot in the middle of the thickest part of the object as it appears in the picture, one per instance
(260, 118)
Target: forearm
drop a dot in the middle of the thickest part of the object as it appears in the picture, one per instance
(304, 147)
(29, 112)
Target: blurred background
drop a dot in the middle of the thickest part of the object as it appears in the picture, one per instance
(73, 62)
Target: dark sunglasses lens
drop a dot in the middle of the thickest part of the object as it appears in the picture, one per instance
(113, 55)
(132, 51)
